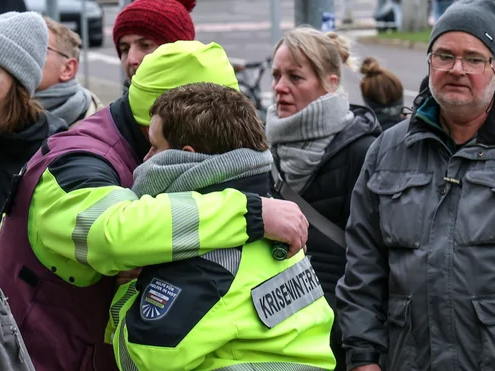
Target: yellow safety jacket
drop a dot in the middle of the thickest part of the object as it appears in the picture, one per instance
(234, 309)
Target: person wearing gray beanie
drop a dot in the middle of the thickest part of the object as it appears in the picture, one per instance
(466, 31)
(23, 128)
(418, 292)
(475, 17)
(24, 125)
(23, 46)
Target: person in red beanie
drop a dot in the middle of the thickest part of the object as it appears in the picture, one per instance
(144, 25)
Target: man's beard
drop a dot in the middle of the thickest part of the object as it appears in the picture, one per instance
(130, 73)
(469, 102)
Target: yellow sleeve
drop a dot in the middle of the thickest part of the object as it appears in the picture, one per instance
(104, 230)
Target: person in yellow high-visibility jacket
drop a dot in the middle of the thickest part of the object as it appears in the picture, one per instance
(235, 309)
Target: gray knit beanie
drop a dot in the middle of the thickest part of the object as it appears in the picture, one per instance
(475, 17)
(23, 45)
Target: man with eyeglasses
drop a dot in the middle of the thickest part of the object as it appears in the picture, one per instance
(59, 91)
(419, 287)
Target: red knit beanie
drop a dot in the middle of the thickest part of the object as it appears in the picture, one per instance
(163, 21)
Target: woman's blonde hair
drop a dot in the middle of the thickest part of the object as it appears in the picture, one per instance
(325, 52)
(18, 110)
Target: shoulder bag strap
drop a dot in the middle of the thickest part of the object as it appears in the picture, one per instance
(323, 224)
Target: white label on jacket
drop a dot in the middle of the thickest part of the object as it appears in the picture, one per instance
(287, 293)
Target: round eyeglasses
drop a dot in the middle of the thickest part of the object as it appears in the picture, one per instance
(470, 65)
(59, 53)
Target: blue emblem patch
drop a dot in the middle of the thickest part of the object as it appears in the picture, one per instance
(157, 299)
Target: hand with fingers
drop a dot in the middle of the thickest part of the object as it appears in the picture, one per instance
(285, 222)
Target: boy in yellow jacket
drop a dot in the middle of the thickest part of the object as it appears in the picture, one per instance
(234, 309)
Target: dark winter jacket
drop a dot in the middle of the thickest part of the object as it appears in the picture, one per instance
(387, 114)
(12, 5)
(418, 288)
(329, 192)
(17, 148)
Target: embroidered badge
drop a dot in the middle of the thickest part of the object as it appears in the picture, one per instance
(157, 299)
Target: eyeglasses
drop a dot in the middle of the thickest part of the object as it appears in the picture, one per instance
(59, 53)
(470, 65)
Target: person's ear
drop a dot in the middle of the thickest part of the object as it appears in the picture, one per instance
(188, 149)
(69, 70)
(332, 82)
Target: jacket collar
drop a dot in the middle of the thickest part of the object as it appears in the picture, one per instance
(486, 134)
(258, 184)
(424, 119)
(128, 127)
(365, 123)
(18, 142)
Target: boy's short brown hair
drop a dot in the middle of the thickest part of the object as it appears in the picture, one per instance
(212, 119)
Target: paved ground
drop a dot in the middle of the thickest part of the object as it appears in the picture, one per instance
(242, 27)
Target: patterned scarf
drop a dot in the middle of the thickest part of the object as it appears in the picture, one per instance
(300, 140)
(181, 171)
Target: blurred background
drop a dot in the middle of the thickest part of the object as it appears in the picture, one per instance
(247, 29)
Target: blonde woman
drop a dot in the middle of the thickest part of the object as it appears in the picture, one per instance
(318, 141)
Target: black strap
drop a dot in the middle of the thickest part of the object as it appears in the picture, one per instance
(14, 185)
(324, 225)
(367, 356)
(28, 276)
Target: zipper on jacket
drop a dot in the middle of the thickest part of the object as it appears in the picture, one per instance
(15, 333)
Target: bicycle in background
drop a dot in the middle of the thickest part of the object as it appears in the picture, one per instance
(249, 75)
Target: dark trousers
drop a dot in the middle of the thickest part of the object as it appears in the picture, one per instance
(339, 354)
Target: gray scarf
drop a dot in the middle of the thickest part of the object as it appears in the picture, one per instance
(181, 171)
(67, 100)
(300, 140)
